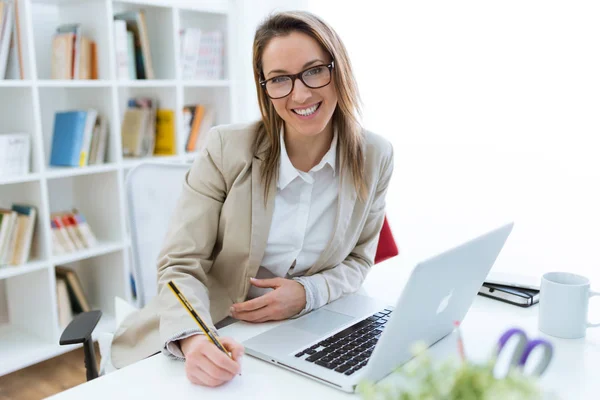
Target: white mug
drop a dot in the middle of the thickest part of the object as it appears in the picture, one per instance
(564, 299)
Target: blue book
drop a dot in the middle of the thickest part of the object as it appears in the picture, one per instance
(69, 127)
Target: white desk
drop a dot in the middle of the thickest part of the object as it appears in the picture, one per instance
(573, 373)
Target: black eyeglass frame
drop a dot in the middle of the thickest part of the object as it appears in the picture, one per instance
(293, 77)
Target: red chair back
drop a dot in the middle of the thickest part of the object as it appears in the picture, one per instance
(386, 248)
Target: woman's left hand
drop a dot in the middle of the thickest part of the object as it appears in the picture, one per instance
(286, 300)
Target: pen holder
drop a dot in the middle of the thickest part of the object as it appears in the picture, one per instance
(452, 378)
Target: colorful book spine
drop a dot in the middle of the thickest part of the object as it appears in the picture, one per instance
(62, 235)
(71, 229)
(68, 137)
(165, 133)
(84, 229)
(58, 247)
(26, 216)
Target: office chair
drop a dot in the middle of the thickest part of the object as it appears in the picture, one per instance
(386, 247)
(152, 191)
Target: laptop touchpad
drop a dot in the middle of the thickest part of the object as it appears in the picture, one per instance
(321, 322)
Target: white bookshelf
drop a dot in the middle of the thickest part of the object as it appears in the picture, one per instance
(29, 329)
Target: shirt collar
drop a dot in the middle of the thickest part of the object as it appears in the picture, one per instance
(287, 171)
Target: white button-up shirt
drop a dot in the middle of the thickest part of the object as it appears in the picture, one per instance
(303, 220)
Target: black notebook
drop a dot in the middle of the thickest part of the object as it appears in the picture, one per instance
(510, 294)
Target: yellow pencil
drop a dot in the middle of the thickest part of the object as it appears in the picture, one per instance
(207, 331)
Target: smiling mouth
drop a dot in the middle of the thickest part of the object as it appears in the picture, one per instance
(305, 112)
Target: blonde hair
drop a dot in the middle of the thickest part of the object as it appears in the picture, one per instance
(345, 116)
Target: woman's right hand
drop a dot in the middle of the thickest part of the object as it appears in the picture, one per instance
(206, 365)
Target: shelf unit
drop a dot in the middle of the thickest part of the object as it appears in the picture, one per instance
(29, 329)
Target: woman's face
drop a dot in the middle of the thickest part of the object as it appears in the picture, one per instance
(292, 54)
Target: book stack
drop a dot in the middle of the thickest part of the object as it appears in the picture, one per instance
(70, 233)
(11, 57)
(134, 60)
(201, 54)
(17, 226)
(197, 120)
(15, 154)
(70, 296)
(79, 138)
(138, 129)
(74, 55)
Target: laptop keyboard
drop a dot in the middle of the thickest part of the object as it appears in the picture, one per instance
(348, 350)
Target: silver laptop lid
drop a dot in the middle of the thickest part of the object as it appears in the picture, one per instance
(439, 291)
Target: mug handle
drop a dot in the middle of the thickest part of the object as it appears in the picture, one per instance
(592, 294)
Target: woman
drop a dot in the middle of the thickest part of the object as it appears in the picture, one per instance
(297, 198)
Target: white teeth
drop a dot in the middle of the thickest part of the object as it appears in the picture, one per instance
(307, 111)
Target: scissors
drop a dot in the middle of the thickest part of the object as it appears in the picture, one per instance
(519, 355)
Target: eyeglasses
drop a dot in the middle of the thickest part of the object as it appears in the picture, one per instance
(314, 78)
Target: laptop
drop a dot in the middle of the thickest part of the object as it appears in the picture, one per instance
(358, 337)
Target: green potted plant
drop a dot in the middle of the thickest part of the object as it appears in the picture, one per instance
(452, 379)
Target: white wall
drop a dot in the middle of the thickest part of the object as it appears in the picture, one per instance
(493, 109)
(249, 14)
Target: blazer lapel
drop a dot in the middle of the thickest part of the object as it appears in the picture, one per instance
(261, 218)
(345, 206)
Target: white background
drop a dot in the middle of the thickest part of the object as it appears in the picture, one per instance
(493, 111)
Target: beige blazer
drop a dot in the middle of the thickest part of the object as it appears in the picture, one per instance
(218, 233)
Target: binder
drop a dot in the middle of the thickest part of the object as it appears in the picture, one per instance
(509, 294)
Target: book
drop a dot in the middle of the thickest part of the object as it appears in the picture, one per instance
(202, 120)
(62, 56)
(3, 230)
(7, 221)
(84, 59)
(70, 226)
(63, 303)
(208, 121)
(73, 29)
(519, 280)
(210, 60)
(17, 245)
(58, 247)
(136, 23)
(11, 240)
(509, 294)
(131, 55)
(90, 122)
(188, 117)
(145, 42)
(94, 141)
(26, 216)
(148, 134)
(15, 154)
(99, 139)
(79, 301)
(165, 133)
(15, 70)
(190, 51)
(62, 236)
(85, 233)
(94, 60)
(121, 52)
(71, 232)
(102, 142)
(67, 138)
(201, 54)
(6, 22)
(195, 128)
(133, 130)
(74, 55)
